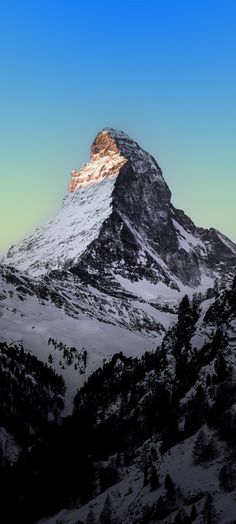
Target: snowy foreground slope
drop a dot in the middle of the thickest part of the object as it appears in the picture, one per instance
(128, 497)
(185, 471)
(32, 311)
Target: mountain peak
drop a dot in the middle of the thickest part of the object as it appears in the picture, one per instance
(115, 134)
(106, 159)
(109, 138)
(110, 150)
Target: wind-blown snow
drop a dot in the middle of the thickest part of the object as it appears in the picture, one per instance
(67, 236)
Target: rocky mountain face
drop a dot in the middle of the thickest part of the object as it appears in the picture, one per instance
(145, 236)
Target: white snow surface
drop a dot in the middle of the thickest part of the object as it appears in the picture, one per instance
(160, 293)
(65, 238)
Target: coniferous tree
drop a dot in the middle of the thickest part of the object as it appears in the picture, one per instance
(185, 324)
(160, 510)
(226, 478)
(153, 453)
(146, 461)
(221, 368)
(208, 380)
(199, 448)
(209, 515)
(196, 300)
(106, 514)
(193, 514)
(182, 517)
(91, 518)
(170, 487)
(145, 473)
(154, 479)
(211, 449)
(218, 340)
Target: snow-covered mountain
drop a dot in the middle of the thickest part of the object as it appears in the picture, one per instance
(117, 222)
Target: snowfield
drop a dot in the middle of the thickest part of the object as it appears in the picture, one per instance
(66, 237)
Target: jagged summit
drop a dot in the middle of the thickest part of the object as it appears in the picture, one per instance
(111, 150)
(105, 161)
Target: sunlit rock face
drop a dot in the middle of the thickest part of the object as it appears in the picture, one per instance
(105, 162)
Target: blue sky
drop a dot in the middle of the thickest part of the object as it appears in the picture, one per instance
(163, 71)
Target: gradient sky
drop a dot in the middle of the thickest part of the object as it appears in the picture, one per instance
(163, 71)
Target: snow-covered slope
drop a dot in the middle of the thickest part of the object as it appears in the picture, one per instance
(34, 310)
(67, 236)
